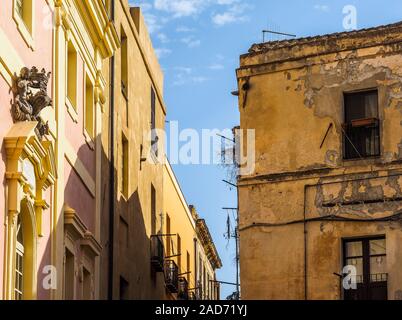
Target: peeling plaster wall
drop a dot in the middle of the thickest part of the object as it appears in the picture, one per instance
(292, 100)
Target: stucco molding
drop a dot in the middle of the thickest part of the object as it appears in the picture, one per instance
(25, 184)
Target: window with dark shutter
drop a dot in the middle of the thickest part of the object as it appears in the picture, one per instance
(154, 138)
(368, 256)
(361, 128)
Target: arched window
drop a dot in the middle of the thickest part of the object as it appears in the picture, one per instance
(19, 262)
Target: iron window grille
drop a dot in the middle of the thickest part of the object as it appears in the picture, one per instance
(157, 253)
(361, 129)
(183, 289)
(172, 276)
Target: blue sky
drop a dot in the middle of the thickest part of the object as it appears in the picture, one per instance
(199, 43)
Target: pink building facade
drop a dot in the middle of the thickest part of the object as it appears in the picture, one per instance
(51, 190)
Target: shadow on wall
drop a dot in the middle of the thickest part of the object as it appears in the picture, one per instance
(133, 277)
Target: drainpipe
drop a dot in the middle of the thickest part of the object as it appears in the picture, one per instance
(195, 264)
(112, 174)
(305, 243)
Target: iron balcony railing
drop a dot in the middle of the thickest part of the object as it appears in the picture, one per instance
(191, 296)
(157, 260)
(199, 291)
(172, 276)
(183, 293)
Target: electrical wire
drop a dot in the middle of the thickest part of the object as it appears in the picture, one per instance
(394, 217)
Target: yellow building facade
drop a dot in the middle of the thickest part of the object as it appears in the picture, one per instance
(189, 249)
(324, 200)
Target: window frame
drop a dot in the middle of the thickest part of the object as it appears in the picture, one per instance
(124, 64)
(19, 263)
(25, 22)
(367, 284)
(154, 136)
(72, 80)
(360, 123)
(125, 166)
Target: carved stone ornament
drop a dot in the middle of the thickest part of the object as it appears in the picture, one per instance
(30, 98)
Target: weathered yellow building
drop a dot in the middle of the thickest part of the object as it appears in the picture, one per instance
(189, 250)
(326, 191)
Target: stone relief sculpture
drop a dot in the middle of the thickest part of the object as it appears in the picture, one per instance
(30, 98)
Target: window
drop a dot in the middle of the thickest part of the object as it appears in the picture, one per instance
(24, 17)
(86, 285)
(168, 239)
(72, 75)
(124, 165)
(124, 64)
(188, 267)
(19, 7)
(204, 283)
(369, 258)
(89, 108)
(69, 278)
(124, 289)
(19, 263)
(179, 252)
(361, 128)
(123, 235)
(154, 137)
(153, 210)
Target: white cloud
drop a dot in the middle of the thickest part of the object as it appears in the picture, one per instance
(153, 23)
(145, 6)
(216, 66)
(184, 29)
(163, 38)
(162, 52)
(233, 14)
(187, 8)
(226, 2)
(185, 75)
(191, 42)
(186, 70)
(220, 57)
(322, 7)
(181, 8)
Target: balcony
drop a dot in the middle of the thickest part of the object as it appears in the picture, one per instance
(183, 289)
(172, 276)
(191, 296)
(199, 291)
(157, 249)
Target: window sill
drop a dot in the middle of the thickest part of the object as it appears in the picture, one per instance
(363, 161)
(72, 111)
(123, 196)
(90, 142)
(23, 30)
(154, 157)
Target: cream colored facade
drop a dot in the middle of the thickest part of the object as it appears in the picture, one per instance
(143, 187)
(309, 204)
(131, 211)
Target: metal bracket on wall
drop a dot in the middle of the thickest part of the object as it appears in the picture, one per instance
(326, 134)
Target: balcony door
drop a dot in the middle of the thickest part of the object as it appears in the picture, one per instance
(369, 258)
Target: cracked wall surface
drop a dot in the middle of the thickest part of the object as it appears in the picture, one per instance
(294, 101)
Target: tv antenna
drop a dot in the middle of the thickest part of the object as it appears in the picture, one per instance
(276, 33)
